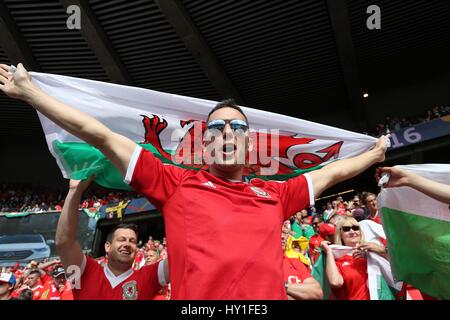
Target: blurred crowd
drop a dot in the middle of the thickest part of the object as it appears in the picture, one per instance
(392, 124)
(47, 280)
(305, 237)
(19, 198)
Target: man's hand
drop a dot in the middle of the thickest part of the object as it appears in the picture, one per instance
(380, 148)
(370, 246)
(79, 186)
(326, 248)
(398, 177)
(17, 84)
(345, 169)
(358, 253)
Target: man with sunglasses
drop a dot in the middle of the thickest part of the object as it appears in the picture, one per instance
(214, 244)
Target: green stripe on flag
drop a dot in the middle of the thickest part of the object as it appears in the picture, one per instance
(81, 160)
(319, 273)
(420, 251)
(384, 291)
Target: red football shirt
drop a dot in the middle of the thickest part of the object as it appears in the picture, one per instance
(99, 283)
(294, 271)
(223, 237)
(376, 219)
(37, 291)
(354, 272)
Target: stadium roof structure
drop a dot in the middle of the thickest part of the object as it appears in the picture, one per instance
(309, 59)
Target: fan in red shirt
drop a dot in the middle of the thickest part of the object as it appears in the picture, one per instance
(115, 281)
(58, 288)
(370, 201)
(151, 257)
(33, 282)
(315, 240)
(298, 282)
(209, 215)
(348, 275)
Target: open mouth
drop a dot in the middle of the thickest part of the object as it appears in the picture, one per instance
(125, 252)
(229, 148)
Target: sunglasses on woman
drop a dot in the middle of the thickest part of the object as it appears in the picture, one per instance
(236, 125)
(347, 228)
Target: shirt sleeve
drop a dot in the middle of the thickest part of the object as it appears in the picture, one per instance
(296, 194)
(152, 276)
(149, 176)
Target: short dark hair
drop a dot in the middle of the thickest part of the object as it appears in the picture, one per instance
(131, 226)
(365, 195)
(227, 103)
(33, 272)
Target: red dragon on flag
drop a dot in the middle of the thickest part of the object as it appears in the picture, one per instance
(155, 124)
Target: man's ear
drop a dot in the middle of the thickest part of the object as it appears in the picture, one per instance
(107, 247)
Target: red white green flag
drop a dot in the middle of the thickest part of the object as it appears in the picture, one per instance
(172, 127)
(418, 233)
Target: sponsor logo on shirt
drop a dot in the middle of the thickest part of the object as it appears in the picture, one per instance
(345, 264)
(294, 280)
(129, 291)
(209, 184)
(260, 192)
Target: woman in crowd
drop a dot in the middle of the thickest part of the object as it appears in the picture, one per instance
(347, 275)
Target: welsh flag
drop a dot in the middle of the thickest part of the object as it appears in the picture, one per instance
(418, 233)
(381, 283)
(171, 127)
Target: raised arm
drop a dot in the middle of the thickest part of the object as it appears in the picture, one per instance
(67, 245)
(348, 168)
(405, 178)
(43, 266)
(118, 149)
(333, 275)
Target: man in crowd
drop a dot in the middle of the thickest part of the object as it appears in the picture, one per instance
(341, 206)
(209, 215)
(301, 225)
(370, 202)
(7, 283)
(117, 280)
(315, 240)
(33, 283)
(334, 219)
(328, 212)
(299, 283)
(58, 288)
(151, 256)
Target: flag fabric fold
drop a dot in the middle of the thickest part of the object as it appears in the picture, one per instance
(380, 281)
(418, 233)
(166, 124)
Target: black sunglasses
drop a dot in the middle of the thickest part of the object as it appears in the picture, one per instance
(347, 228)
(235, 124)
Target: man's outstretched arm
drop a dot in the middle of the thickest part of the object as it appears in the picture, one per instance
(66, 242)
(348, 168)
(118, 149)
(404, 178)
